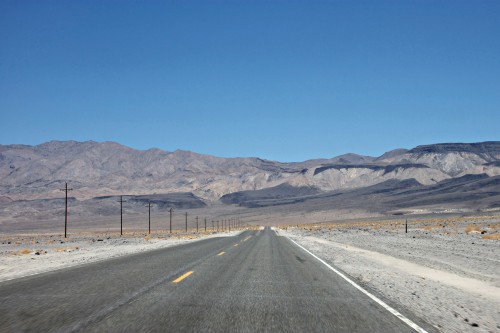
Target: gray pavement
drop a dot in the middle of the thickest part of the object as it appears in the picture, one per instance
(254, 282)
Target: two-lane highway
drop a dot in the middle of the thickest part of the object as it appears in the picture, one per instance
(254, 282)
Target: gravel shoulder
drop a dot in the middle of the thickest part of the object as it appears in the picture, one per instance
(23, 255)
(445, 271)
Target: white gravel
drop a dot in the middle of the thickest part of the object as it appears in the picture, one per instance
(437, 271)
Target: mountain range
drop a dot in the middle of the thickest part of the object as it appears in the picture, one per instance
(451, 173)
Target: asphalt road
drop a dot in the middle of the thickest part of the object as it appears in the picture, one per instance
(254, 282)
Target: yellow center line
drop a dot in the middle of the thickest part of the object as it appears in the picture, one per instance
(182, 277)
(247, 238)
(236, 244)
(221, 254)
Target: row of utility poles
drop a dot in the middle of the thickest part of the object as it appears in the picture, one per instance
(225, 224)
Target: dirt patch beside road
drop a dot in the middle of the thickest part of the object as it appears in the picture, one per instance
(444, 271)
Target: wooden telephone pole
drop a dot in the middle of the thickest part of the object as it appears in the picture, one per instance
(121, 214)
(66, 190)
(171, 211)
(149, 217)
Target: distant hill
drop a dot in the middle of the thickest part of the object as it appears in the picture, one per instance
(97, 169)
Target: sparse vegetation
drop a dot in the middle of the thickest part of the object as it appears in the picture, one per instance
(67, 249)
(20, 252)
(495, 236)
(472, 228)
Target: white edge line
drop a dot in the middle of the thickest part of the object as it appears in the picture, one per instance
(373, 297)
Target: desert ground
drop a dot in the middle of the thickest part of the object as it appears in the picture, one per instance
(445, 270)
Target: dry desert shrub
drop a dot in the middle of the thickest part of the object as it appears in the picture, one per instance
(188, 237)
(472, 228)
(148, 237)
(19, 253)
(435, 226)
(67, 249)
(495, 236)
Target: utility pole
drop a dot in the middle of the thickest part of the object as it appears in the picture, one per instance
(406, 226)
(205, 224)
(213, 226)
(217, 225)
(186, 221)
(66, 190)
(149, 217)
(121, 214)
(171, 210)
(196, 223)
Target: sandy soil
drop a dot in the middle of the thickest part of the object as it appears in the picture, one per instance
(445, 271)
(23, 255)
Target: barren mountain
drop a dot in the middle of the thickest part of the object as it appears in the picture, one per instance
(97, 169)
(470, 193)
(108, 169)
(453, 159)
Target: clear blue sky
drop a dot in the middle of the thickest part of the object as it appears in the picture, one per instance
(282, 80)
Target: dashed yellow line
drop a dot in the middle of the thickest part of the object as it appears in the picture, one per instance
(221, 254)
(247, 238)
(235, 244)
(182, 277)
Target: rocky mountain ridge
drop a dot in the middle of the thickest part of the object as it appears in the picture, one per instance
(105, 169)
